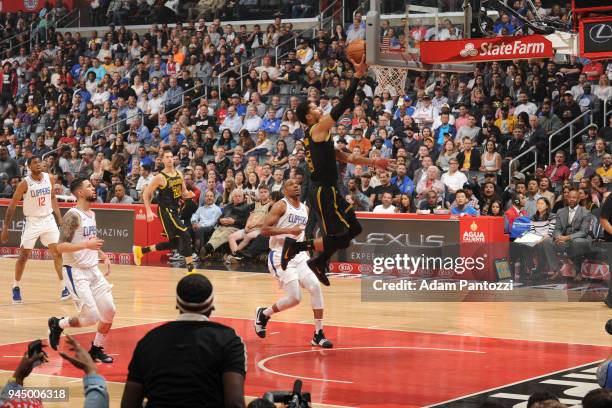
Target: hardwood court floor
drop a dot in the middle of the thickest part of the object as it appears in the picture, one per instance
(385, 344)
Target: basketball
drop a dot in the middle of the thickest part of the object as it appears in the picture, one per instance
(355, 50)
(609, 326)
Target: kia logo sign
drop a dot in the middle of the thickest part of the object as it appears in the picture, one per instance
(601, 33)
(344, 267)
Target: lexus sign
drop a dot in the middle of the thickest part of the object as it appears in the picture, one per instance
(486, 49)
(596, 37)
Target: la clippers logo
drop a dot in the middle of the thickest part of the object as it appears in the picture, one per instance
(30, 4)
(344, 267)
(469, 51)
(140, 214)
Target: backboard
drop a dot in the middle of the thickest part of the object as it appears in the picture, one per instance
(393, 40)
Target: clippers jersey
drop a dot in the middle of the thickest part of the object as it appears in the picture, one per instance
(85, 258)
(37, 198)
(170, 195)
(293, 216)
(321, 159)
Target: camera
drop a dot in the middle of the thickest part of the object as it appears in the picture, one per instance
(34, 349)
(291, 399)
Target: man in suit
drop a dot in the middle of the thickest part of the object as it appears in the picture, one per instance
(570, 234)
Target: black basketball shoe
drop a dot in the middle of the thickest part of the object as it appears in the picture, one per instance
(261, 320)
(98, 354)
(319, 340)
(55, 331)
(320, 268)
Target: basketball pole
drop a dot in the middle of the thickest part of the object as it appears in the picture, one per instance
(467, 18)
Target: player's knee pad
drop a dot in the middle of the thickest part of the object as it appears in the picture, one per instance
(335, 242)
(312, 285)
(293, 296)
(88, 317)
(106, 308)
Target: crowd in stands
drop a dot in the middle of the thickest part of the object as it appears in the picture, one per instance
(101, 106)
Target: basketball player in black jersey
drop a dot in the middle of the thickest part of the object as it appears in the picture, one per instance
(337, 217)
(171, 190)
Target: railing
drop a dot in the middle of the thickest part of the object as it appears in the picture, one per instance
(571, 132)
(105, 128)
(164, 111)
(76, 12)
(533, 164)
(250, 62)
(323, 19)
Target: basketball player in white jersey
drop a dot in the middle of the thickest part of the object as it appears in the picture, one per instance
(288, 217)
(39, 207)
(91, 292)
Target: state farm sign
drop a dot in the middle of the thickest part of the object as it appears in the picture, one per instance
(486, 49)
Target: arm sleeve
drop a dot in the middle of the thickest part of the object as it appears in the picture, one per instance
(346, 100)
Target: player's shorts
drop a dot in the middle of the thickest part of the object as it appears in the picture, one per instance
(86, 286)
(44, 228)
(297, 269)
(171, 222)
(334, 212)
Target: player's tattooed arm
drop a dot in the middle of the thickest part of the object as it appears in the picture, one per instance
(70, 224)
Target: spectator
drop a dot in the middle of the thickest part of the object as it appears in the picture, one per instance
(569, 237)
(462, 207)
(213, 376)
(252, 227)
(386, 205)
(119, 196)
(516, 210)
(234, 218)
(469, 158)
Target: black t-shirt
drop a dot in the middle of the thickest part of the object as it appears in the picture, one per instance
(606, 212)
(379, 190)
(181, 363)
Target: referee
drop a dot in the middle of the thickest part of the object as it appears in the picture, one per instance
(605, 219)
(190, 362)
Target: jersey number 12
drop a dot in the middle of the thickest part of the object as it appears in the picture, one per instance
(41, 201)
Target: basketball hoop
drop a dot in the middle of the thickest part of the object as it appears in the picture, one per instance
(392, 79)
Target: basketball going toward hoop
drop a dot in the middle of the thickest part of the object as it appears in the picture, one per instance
(356, 49)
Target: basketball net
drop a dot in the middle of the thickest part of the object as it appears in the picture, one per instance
(392, 79)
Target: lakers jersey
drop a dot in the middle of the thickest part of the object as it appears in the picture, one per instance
(321, 159)
(85, 258)
(293, 216)
(170, 195)
(37, 198)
